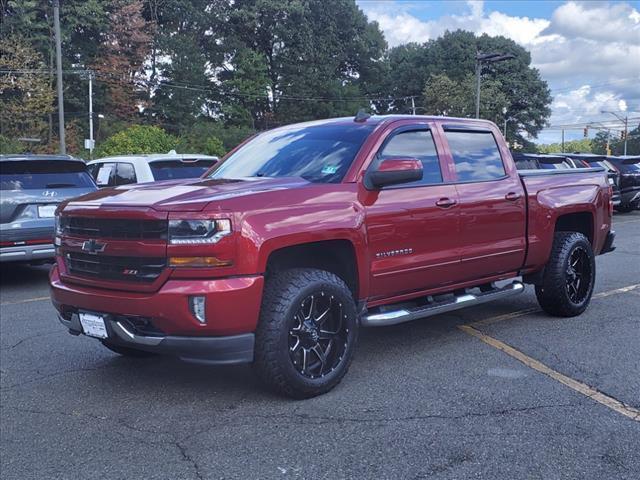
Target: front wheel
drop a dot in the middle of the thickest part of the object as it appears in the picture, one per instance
(307, 332)
(569, 276)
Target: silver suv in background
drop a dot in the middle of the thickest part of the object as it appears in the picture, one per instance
(31, 187)
(127, 169)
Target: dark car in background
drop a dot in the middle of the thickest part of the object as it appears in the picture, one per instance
(540, 161)
(595, 160)
(31, 187)
(629, 168)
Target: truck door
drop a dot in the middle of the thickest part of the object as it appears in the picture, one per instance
(412, 228)
(492, 204)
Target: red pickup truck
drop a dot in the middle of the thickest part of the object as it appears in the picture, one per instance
(305, 233)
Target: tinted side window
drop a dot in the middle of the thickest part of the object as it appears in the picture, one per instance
(416, 144)
(475, 155)
(125, 174)
(93, 169)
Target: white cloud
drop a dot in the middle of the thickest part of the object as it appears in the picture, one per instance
(597, 21)
(589, 52)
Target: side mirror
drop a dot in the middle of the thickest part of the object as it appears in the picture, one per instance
(394, 171)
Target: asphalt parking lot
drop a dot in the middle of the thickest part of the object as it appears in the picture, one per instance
(427, 399)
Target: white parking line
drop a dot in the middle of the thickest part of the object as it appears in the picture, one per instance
(28, 300)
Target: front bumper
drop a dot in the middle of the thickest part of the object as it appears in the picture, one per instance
(225, 350)
(162, 321)
(27, 253)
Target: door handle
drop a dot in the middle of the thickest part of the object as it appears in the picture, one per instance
(446, 202)
(513, 196)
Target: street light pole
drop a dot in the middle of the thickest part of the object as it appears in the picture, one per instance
(56, 27)
(624, 120)
(486, 58)
(478, 73)
(90, 114)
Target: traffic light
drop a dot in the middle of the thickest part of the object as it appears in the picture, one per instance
(586, 132)
(622, 135)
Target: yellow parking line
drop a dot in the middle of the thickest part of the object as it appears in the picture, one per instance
(583, 388)
(527, 311)
(28, 300)
(617, 290)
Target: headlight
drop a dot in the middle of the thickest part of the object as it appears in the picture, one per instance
(185, 232)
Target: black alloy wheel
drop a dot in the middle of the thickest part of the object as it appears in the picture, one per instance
(569, 276)
(318, 337)
(579, 275)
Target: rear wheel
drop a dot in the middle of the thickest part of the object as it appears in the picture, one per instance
(569, 276)
(127, 351)
(307, 332)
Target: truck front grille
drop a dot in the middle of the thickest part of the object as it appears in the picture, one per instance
(113, 228)
(126, 269)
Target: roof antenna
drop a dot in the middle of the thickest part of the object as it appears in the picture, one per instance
(361, 116)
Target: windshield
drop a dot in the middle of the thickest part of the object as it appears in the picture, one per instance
(176, 169)
(320, 153)
(42, 174)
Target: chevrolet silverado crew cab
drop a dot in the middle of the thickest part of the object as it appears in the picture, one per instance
(306, 233)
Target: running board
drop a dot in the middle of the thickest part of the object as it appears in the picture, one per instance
(393, 317)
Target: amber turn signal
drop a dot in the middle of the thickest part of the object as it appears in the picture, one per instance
(198, 262)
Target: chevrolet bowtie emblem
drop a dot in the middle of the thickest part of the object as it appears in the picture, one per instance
(91, 246)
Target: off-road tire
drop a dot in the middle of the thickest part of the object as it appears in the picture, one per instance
(283, 293)
(127, 351)
(553, 295)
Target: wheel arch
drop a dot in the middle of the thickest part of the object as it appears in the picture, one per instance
(337, 256)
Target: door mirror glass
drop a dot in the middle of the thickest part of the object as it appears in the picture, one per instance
(394, 171)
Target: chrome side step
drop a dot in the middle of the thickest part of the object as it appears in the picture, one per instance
(402, 315)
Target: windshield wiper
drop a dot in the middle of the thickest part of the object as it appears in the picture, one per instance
(59, 185)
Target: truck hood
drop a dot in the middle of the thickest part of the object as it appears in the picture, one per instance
(184, 195)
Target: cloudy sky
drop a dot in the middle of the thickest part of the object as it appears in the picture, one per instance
(588, 51)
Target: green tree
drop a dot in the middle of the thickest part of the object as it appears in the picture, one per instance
(137, 139)
(616, 142)
(310, 58)
(584, 145)
(25, 95)
(456, 98)
(453, 55)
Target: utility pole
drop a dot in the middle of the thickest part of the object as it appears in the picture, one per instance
(91, 141)
(478, 73)
(563, 140)
(56, 26)
(624, 120)
(413, 105)
(626, 132)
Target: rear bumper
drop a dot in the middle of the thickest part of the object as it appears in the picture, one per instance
(232, 349)
(27, 253)
(608, 243)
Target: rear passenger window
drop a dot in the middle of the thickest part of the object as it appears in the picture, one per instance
(125, 174)
(475, 155)
(416, 144)
(106, 176)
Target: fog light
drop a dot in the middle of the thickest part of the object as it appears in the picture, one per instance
(197, 307)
